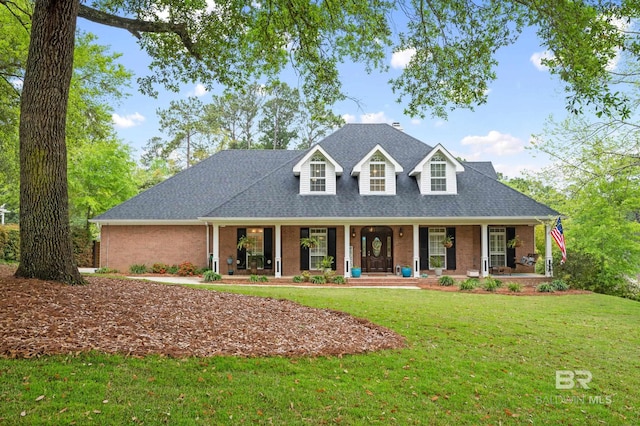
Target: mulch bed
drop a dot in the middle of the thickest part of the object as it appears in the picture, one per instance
(140, 318)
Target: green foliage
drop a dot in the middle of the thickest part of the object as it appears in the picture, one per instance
(560, 285)
(82, 239)
(514, 287)
(318, 279)
(210, 276)
(446, 280)
(306, 276)
(469, 284)
(545, 288)
(435, 261)
(159, 268)
(10, 242)
(138, 269)
(338, 279)
(186, 269)
(106, 270)
(298, 279)
(258, 278)
(326, 262)
(491, 284)
(173, 269)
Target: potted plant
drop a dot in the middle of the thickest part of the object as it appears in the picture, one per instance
(436, 264)
(447, 241)
(247, 244)
(326, 263)
(515, 242)
(356, 271)
(406, 271)
(309, 242)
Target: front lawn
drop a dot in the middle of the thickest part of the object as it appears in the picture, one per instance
(471, 359)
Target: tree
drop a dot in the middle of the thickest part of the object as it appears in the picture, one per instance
(453, 43)
(279, 116)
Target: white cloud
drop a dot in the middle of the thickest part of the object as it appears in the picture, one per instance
(536, 60)
(493, 144)
(416, 121)
(349, 118)
(402, 58)
(374, 117)
(127, 121)
(199, 90)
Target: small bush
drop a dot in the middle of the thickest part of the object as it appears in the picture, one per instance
(560, 285)
(339, 279)
(159, 268)
(306, 276)
(263, 279)
(173, 269)
(318, 279)
(446, 280)
(186, 269)
(514, 287)
(106, 270)
(210, 276)
(545, 288)
(298, 279)
(469, 284)
(253, 278)
(491, 284)
(138, 269)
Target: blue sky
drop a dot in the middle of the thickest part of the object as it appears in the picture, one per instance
(520, 101)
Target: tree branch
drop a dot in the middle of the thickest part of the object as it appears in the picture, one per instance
(135, 26)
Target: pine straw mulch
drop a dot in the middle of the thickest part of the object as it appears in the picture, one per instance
(140, 318)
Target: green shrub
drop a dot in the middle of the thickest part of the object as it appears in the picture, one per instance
(469, 284)
(254, 278)
(306, 276)
(514, 287)
(298, 279)
(173, 269)
(560, 285)
(318, 279)
(263, 279)
(339, 279)
(10, 242)
(490, 285)
(106, 270)
(446, 281)
(138, 269)
(186, 269)
(209, 276)
(545, 288)
(159, 268)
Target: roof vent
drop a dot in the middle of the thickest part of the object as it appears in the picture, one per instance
(396, 125)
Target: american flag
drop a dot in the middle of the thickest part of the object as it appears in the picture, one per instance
(558, 236)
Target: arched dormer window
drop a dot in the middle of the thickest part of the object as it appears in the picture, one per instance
(318, 173)
(438, 173)
(377, 173)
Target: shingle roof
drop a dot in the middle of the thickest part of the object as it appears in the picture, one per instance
(261, 184)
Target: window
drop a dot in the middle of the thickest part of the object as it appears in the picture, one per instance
(377, 179)
(436, 249)
(497, 247)
(318, 174)
(317, 253)
(438, 167)
(256, 253)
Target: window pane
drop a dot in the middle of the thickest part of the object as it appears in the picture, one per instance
(436, 249)
(377, 177)
(497, 247)
(318, 177)
(256, 235)
(438, 176)
(317, 253)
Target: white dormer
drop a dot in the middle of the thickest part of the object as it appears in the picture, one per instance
(317, 171)
(436, 173)
(377, 172)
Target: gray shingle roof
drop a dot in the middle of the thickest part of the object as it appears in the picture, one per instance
(261, 184)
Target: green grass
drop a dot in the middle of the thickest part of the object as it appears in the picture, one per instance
(476, 359)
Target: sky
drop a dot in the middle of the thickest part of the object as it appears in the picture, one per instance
(520, 102)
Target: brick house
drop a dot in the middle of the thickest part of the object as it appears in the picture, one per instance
(371, 195)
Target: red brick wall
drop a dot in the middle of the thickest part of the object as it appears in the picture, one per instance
(123, 246)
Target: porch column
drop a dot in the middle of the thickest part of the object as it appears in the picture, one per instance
(416, 250)
(484, 244)
(548, 257)
(347, 251)
(278, 272)
(215, 262)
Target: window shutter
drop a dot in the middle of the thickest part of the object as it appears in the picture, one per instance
(332, 245)
(304, 252)
(511, 252)
(451, 252)
(424, 248)
(241, 254)
(268, 248)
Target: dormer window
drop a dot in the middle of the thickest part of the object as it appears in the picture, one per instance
(318, 173)
(377, 178)
(438, 169)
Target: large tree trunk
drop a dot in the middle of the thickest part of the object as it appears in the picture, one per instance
(45, 239)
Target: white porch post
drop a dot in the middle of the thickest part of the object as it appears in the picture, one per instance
(215, 262)
(548, 257)
(484, 243)
(278, 272)
(347, 250)
(416, 250)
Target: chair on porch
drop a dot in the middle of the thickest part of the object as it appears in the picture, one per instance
(529, 260)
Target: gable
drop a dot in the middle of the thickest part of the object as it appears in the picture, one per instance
(437, 172)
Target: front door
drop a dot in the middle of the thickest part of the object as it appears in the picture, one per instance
(377, 249)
